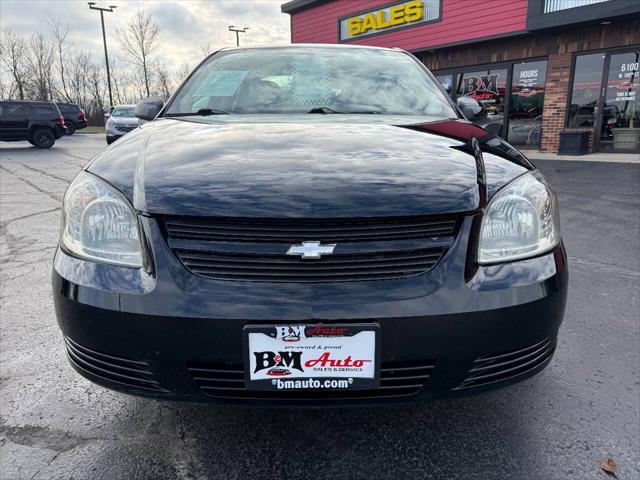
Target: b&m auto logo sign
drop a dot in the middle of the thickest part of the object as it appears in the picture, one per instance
(392, 17)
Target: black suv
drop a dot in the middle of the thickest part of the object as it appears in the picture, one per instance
(40, 123)
(74, 117)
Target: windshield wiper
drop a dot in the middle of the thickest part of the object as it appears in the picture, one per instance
(326, 110)
(203, 112)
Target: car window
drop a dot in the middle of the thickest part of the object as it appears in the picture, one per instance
(123, 112)
(68, 108)
(44, 110)
(8, 109)
(296, 80)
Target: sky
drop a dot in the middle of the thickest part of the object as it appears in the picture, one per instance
(184, 25)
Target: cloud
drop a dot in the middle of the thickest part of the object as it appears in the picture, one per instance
(184, 25)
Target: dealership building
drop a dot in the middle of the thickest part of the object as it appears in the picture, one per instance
(547, 71)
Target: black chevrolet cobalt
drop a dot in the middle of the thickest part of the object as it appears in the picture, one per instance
(309, 225)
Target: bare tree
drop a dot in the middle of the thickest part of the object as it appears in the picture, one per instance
(97, 89)
(40, 58)
(118, 83)
(60, 32)
(138, 41)
(164, 81)
(4, 87)
(77, 78)
(13, 53)
(205, 49)
(183, 71)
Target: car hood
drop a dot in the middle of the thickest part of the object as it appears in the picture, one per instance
(177, 167)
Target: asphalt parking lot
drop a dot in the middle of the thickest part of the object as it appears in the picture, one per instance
(561, 424)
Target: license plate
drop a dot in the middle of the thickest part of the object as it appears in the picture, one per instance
(312, 356)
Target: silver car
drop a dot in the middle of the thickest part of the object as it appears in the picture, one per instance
(121, 121)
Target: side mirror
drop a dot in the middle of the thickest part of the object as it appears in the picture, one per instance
(148, 108)
(472, 109)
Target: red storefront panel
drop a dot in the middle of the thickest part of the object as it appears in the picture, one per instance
(462, 20)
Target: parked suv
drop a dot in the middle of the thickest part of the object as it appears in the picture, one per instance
(39, 123)
(74, 117)
(121, 121)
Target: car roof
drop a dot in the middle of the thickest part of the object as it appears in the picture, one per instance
(315, 45)
(39, 102)
(124, 106)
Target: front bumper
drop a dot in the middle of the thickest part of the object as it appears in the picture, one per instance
(175, 335)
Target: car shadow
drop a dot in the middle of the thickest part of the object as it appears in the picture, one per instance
(455, 438)
(496, 435)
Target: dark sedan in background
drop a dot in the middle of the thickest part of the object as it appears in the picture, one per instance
(309, 225)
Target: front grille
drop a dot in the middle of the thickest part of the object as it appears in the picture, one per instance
(285, 268)
(197, 243)
(397, 379)
(124, 371)
(298, 230)
(122, 128)
(504, 366)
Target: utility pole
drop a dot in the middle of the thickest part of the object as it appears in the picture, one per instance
(110, 9)
(238, 30)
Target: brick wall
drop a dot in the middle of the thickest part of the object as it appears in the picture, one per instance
(559, 47)
(555, 100)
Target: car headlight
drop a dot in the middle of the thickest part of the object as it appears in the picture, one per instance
(521, 221)
(99, 224)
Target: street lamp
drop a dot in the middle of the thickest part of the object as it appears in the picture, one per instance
(110, 9)
(238, 30)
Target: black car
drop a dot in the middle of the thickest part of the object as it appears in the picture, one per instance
(39, 123)
(309, 225)
(74, 117)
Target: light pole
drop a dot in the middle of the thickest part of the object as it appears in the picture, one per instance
(238, 30)
(110, 9)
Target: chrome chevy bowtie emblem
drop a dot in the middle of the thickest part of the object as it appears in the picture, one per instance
(311, 250)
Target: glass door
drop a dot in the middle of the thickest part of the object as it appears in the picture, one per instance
(620, 121)
(585, 91)
(526, 103)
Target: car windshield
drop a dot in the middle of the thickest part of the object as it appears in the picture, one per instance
(123, 112)
(311, 80)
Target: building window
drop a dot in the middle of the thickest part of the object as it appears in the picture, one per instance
(557, 5)
(446, 81)
(488, 87)
(621, 104)
(585, 91)
(526, 102)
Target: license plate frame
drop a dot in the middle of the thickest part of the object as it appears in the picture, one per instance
(336, 352)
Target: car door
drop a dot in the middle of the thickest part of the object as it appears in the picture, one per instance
(14, 120)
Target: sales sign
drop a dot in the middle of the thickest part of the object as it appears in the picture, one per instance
(392, 17)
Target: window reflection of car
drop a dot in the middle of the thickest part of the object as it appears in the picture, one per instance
(583, 116)
(522, 131)
(525, 131)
